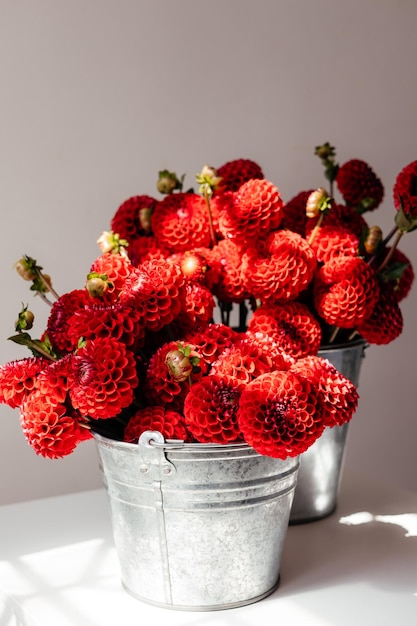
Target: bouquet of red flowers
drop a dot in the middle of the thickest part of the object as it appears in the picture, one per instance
(137, 348)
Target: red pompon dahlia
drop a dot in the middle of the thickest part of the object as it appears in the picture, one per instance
(132, 217)
(145, 248)
(337, 393)
(50, 428)
(169, 423)
(291, 325)
(294, 215)
(162, 387)
(339, 234)
(193, 265)
(210, 410)
(103, 378)
(345, 291)
(251, 213)
(385, 322)
(398, 273)
(248, 358)
(156, 290)
(280, 414)
(18, 379)
(211, 340)
(116, 268)
(180, 222)
(280, 269)
(100, 320)
(405, 190)
(53, 380)
(226, 260)
(237, 172)
(359, 185)
(198, 308)
(58, 325)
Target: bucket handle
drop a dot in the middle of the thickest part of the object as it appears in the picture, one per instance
(154, 439)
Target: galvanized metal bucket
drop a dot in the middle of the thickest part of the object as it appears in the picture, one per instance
(322, 464)
(197, 526)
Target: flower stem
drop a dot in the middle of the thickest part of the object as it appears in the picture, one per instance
(316, 229)
(44, 298)
(334, 333)
(33, 345)
(210, 217)
(391, 251)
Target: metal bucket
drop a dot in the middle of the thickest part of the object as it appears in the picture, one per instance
(321, 465)
(197, 526)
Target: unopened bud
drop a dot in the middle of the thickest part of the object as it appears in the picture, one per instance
(208, 179)
(24, 269)
(145, 219)
(111, 242)
(25, 320)
(318, 202)
(168, 182)
(179, 365)
(373, 239)
(97, 285)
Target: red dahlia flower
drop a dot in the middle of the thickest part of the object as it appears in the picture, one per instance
(337, 393)
(129, 221)
(346, 290)
(198, 308)
(235, 173)
(116, 268)
(280, 414)
(211, 340)
(180, 222)
(145, 248)
(339, 234)
(210, 410)
(226, 260)
(398, 273)
(359, 185)
(294, 215)
(292, 325)
(247, 359)
(405, 190)
(50, 428)
(385, 322)
(169, 423)
(280, 268)
(161, 388)
(58, 321)
(106, 320)
(156, 290)
(251, 212)
(103, 378)
(18, 379)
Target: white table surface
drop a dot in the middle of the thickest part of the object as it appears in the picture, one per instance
(58, 566)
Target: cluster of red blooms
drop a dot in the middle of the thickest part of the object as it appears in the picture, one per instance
(138, 349)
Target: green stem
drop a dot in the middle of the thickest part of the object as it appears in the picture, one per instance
(42, 352)
(207, 199)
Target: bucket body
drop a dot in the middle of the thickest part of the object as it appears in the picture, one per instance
(197, 526)
(321, 465)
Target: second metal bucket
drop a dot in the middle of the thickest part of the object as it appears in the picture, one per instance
(321, 465)
(197, 526)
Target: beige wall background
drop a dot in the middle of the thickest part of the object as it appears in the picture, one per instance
(97, 96)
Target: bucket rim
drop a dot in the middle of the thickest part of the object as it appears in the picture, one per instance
(156, 439)
(348, 345)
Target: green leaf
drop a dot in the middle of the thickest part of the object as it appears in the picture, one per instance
(21, 338)
(394, 272)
